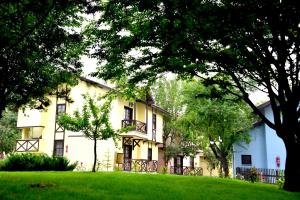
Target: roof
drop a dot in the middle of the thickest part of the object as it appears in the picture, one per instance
(95, 83)
(109, 88)
(263, 105)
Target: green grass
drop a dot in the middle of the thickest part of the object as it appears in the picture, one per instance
(118, 185)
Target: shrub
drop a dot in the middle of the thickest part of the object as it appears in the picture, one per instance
(164, 169)
(280, 183)
(36, 162)
(253, 175)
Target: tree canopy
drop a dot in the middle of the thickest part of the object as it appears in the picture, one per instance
(237, 44)
(39, 48)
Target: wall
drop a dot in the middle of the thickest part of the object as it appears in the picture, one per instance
(274, 145)
(256, 148)
(81, 149)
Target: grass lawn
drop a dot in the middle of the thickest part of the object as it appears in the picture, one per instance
(120, 185)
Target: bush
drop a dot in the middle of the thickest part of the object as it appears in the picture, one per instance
(253, 175)
(280, 183)
(164, 170)
(36, 162)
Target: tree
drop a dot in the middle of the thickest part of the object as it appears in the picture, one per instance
(237, 44)
(93, 121)
(168, 94)
(39, 48)
(8, 131)
(218, 122)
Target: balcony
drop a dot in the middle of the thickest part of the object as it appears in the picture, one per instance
(29, 145)
(134, 125)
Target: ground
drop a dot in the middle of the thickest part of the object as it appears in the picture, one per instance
(120, 185)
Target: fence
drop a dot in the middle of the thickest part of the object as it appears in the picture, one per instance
(194, 171)
(264, 175)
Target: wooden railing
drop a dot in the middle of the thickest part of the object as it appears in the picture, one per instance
(188, 171)
(135, 124)
(27, 145)
(140, 165)
(264, 175)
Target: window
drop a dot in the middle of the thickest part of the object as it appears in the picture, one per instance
(128, 113)
(154, 121)
(192, 162)
(149, 154)
(61, 108)
(58, 148)
(246, 160)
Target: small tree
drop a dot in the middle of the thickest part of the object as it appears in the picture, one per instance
(93, 121)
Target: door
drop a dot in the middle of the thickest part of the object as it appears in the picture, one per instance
(128, 113)
(127, 157)
(178, 163)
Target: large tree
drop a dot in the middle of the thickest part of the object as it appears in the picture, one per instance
(238, 44)
(39, 47)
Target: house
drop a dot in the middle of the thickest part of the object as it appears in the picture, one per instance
(266, 150)
(135, 150)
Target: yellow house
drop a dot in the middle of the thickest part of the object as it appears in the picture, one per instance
(135, 150)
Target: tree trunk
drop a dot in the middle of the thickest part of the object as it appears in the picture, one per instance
(224, 166)
(95, 155)
(292, 167)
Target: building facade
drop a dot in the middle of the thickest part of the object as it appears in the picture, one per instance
(266, 150)
(136, 149)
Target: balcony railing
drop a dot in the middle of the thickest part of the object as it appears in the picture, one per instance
(140, 165)
(135, 124)
(27, 145)
(195, 171)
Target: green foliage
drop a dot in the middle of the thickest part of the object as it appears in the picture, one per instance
(280, 183)
(163, 170)
(215, 120)
(92, 120)
(253, 175)
(168, 95)
(8, 131)
(36, 162)
(40, 48)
